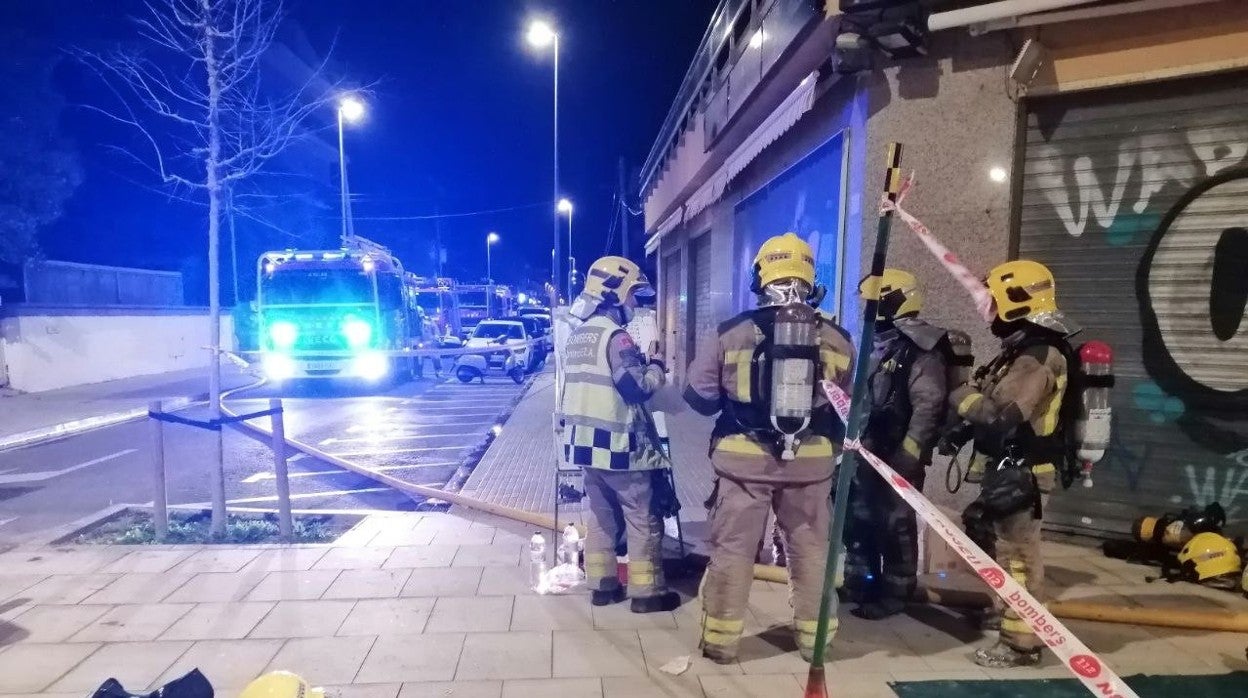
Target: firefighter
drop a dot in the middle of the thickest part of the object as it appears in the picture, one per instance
(907, 395)
(772, 446)
(1014, 406)
(610, 434)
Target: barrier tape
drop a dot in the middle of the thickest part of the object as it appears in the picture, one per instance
(973, 284)
(1090, 670)
(412, 353)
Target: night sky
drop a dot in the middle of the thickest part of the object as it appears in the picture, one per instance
(459, 121)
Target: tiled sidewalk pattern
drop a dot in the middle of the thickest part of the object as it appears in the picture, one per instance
(451, 616)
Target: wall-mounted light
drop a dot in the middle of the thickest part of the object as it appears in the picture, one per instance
(998, 174)
(902, 39)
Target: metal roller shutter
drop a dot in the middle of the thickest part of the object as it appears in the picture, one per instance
(1137, 199)
(673, 309)
(704, 321)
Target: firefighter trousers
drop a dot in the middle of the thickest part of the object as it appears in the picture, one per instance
(881, 541)
(620, 505)
(738, 520)
(1018, 553)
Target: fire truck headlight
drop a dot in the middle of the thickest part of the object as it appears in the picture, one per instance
(283, 334)
(371, 366)
(357, 332)
(279, 367)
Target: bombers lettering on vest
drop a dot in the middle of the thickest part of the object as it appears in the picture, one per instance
(751, 416)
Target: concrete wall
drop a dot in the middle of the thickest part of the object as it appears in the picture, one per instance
(49, 348)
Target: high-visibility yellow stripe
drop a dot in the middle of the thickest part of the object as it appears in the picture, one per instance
(641, 573)
(598, 564)
(711, 637)
(1048, 424)
(968, 402)
(1043, 468)
(817, 447)
(741, 359)
(723, 625)
(910, 446)
(834, 359)
(1011, 625)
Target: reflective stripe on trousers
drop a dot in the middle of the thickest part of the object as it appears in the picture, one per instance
(723, 632)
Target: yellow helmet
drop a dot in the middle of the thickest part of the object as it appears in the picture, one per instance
(900, 294)
(281, 684)
(1209, 555)
(1025, 290)
(783, 257)
(611, 279)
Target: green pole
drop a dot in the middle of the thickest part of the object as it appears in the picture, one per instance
(816, 686)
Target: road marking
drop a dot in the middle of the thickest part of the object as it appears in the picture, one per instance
(449, 408)
(262, 476)
(397, 451)
(412, 466)
(49, 474)
(394, 437)
(312, 495)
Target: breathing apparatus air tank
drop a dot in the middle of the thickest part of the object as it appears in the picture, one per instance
(794, 354)
(1093, 427)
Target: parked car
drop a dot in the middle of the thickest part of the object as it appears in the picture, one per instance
(543, 333)
(512, 358)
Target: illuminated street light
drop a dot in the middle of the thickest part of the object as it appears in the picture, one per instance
(349, 110)
(565, 206)
(490, 239)
(540, 35)
(352, 109)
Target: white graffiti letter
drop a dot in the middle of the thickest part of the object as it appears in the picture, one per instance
(1052, 179)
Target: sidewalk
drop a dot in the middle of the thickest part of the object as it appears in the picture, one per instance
(423, 605)
(34, 417)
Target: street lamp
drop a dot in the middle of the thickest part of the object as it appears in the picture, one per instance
(490, 239)
(350, 110)
(540, 35)
(565, 206)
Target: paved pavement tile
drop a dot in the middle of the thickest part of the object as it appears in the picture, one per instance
(773, 652)
(392, 537)
(506, 581)
(856, 684)
(147, 561)
(653, 686)
(11, 585)
(303, 619)
(295, 586)
(58, 560)
(513, 655)
(592, 653)
(404, 658)
(132, 623)
(137, 665)
(219, 621)
(228, 664)
(323, 660)
(619, 617)
(353, 559)
(753, 686)
(442, 581)
(364, 690)
(67, 588)
(488, 555)
(469, 535)
(217, 560)
(208, 587)
(286, 560)
(662, 646)
(32, 668)
(421, 556)
(388, 617)
(147, 586)
(452, 689)
(48, 623)
(563, 688)
(367, 584)
(551, 613)
(472, 614)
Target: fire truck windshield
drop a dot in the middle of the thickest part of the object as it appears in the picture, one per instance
(475, 299)
(317, 287)
(430, 301)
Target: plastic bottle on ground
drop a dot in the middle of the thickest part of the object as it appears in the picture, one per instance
(537, 560)
(570, 547)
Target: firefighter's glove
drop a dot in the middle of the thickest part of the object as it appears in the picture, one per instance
(954, 439)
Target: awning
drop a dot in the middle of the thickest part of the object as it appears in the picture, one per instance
(668, 225)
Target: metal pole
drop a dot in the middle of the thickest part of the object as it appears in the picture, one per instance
(815, 683)
(285, 525)
(572, 259)
(558, 257)
(233, 245)
(160, 499)
(342, 180)
(489, 274)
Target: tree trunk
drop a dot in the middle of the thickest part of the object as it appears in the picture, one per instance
(213, 180)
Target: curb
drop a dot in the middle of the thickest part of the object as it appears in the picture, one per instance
(78, 426)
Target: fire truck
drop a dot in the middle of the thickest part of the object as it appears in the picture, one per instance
(479, 302)
(333, 313)
(437, 297)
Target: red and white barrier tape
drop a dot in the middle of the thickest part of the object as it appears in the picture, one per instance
(1087, 667)
(968, 280)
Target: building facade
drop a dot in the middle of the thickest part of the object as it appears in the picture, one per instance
(1109, 142)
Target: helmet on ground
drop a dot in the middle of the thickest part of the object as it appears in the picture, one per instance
(1025, 290)
(611, 279)
(1209, 555)
(900, 294)
(281, 684)
(783, 257)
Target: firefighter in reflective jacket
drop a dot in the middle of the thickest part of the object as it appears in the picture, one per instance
(610, 434)
(772, 446)
(1014, 405)
(907, 397)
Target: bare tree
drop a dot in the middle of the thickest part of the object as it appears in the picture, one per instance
(192, 93)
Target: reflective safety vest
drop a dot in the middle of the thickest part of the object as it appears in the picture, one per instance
(601, 430)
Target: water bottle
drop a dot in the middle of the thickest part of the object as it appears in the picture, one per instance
(537, 559)
(571, 546)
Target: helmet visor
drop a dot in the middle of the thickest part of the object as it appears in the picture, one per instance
(643, 289)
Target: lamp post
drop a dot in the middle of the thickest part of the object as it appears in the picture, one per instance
(350, 110)
(490, 239)
(541, 35)
(565, 206)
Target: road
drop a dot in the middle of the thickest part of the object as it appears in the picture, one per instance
(420, 432)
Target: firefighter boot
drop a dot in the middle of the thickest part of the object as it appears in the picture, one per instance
(607, 597)
(1002, 656)
(667, 601)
